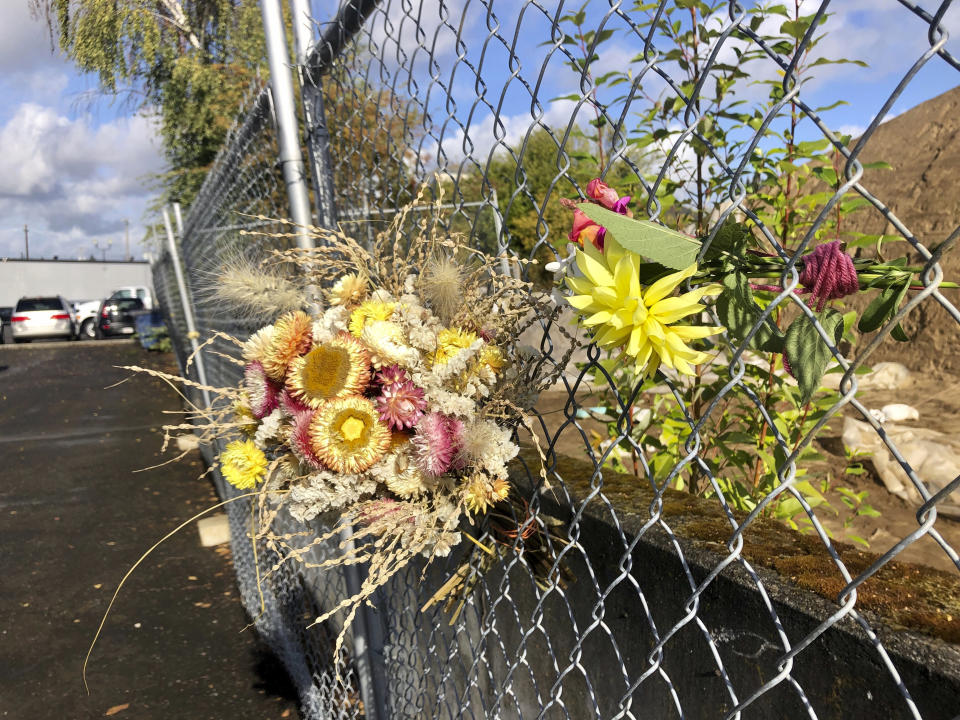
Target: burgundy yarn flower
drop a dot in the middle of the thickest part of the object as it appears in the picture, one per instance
(828, 273)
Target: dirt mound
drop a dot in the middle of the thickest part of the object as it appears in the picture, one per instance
(923, 192)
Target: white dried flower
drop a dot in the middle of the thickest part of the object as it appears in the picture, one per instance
(323, 490)
(334, 321)
(270, 428)
(386, 344)
(489, 446)
(255, 348)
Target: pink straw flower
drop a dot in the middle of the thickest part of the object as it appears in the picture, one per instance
(585, 229)
(598, 190)
(260, 389)
(401, 405)
(290, 404)
(300, 440)
(392, 374)
(437, 439)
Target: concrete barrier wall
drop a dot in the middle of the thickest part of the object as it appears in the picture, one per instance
(75, 280)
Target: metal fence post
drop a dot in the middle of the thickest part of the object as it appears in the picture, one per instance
(367, 631)
(317, 133)
(287, 132)
(187, 304)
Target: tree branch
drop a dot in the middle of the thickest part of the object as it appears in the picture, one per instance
(179, 18)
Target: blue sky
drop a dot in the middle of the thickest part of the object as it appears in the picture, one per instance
(75, 170)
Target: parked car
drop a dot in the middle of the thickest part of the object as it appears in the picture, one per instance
(118, 316)
(135, 291)
(43, 317)
(5, 314)
(87, 313)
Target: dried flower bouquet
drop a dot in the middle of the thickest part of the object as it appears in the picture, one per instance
(388, 402)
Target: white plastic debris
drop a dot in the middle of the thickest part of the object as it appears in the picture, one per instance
(899, 412)
(885, 376)
(933, 456)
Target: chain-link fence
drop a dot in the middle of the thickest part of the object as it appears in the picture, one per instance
(687, 594)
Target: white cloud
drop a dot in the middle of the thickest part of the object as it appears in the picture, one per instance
(485, 134)
(73, 182)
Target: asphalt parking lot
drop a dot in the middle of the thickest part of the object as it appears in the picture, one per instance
(74, 516)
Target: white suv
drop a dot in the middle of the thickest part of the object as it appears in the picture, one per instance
(43, 317)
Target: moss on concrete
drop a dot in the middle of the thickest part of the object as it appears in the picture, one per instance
(904, 595)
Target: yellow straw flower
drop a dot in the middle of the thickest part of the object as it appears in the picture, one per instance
(369, 311)
(243, 464)
(481, 493)
(492, 357)
(347, 435)
(336, 368)
(623, 313)
(244, 417)
(451, 341)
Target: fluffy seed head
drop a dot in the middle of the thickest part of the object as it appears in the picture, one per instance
(442, 287)
(251, 290)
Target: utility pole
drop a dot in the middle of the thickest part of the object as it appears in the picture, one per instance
(126, 240)
(26, 239)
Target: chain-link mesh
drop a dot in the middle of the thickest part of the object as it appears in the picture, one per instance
(675, 604)
(244, 186)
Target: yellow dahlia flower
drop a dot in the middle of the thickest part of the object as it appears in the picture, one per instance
(369, 311)
(336, 368)
(243, 464)
(623, 314)
(347, 435)
(451, 341)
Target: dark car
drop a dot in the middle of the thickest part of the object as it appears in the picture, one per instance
(5, 314)
(118, 316)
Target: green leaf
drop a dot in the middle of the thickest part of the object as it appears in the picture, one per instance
(654, 242)
(882, 307)
(739, 312)
(732, 237)
(808, 353)
(899, 334)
